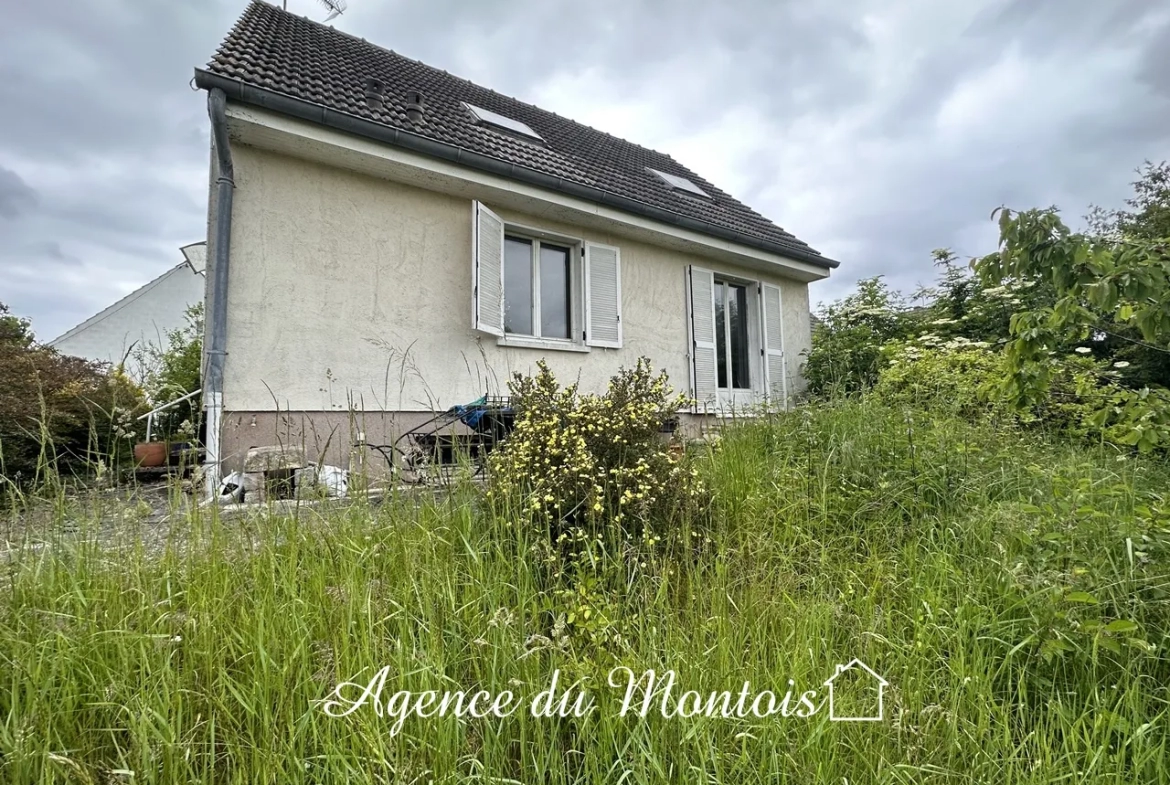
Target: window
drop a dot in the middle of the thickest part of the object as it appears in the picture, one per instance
(679, 183)
(731, 336)
(737, 340)
(537, 289)
(488, 117)
(538, 293)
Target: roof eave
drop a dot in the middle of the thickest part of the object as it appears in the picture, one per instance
(246, 93)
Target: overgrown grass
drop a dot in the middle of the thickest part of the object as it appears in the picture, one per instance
(1014, 594)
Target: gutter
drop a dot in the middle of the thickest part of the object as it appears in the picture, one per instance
(218, 257)
(341, 121)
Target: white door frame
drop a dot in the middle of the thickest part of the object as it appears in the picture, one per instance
(740, 400)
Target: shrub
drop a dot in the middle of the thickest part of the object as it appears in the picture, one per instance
(174, 371)
(953, 376)
(846, 345)
(577, 463)
(60, 414)
(965, 379)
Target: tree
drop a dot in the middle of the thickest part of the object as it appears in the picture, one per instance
(1148, 218)
(1105, 284)
(1149, 214)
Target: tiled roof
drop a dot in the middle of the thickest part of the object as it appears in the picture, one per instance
(287, 54)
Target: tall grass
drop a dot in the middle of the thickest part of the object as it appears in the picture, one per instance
(1013, 592)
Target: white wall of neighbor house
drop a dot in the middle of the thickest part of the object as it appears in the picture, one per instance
(144, 316)
(350, 290)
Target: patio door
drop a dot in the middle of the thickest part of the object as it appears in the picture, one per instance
(727, 372)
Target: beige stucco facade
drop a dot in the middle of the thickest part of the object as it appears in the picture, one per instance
(350, 289)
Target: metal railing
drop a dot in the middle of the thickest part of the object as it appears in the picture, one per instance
(149, 416)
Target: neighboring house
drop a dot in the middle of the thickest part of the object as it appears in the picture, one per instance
(402, 240)
(145, 316)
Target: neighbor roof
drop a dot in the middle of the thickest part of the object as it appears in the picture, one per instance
(275, 52)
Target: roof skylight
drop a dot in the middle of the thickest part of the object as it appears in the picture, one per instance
(507, 123)
(680, 183)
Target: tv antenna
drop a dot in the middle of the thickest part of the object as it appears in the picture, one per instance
(335, 7)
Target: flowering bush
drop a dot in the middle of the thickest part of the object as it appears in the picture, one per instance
(952, 374)
(965, 378)
(575, 464)
(846, 343)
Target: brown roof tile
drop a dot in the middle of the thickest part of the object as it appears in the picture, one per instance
(288, 54)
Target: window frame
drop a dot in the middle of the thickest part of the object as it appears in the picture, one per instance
(726, 287)
(751, 319)
(576, 283)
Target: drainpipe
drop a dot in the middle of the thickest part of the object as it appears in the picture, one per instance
(219, 253)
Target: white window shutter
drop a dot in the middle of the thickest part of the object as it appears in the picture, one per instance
(487, 249)
(775, 373)
(704, 373)
(603, 296)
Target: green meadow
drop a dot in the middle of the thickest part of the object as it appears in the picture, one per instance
(1012, 591)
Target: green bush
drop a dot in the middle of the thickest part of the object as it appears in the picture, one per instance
(601, 494)
(174, 371)
(575, 464)
(953, 376)
(965, 379)
(60, 414)
(846, 344)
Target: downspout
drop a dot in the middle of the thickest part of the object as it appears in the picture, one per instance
(219, 254)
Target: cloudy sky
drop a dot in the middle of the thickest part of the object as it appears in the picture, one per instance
(875, 131)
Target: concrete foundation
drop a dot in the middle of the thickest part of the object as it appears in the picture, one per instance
(343, 438)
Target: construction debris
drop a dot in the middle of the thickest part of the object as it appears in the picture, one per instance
(324, 480)
(238, 487)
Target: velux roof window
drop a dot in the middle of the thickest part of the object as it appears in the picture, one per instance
(488, 117)
(679, 183)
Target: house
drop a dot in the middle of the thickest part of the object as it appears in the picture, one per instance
(387, 240)
(856, 693)
(145, 316)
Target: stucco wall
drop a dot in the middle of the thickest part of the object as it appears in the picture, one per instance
(347, 290)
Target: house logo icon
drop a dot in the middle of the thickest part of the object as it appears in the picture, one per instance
(855, 693)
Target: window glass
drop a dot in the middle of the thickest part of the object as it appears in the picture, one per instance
(517, 286)
(721, 332)
(554, 291)
(731, 336)
(737, 330)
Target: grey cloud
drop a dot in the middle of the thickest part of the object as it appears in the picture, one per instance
(101, 124)
(786, 55)
(111, 145)
(15, 194)
(1155, 63)
(1069, 27)
(1032, 151)
(52, 250)
(36, 255)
